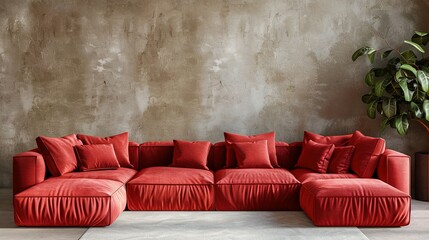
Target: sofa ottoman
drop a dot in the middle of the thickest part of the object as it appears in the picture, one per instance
(354, 202)
(70, 202)
(170, 189)
(256, 189)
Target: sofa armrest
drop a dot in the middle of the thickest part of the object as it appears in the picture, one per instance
(28, 169)
(394, 169)
(133, 150)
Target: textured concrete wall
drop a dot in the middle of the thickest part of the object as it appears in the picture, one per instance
(191, 69)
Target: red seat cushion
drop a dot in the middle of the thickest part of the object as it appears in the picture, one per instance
(355, 202)
(256, 189)
(122, 175)
(58, 153)
(119, 142)
(304, 175)
(315, 156)
(231, 161)
(170, 188)
(190, 154)
(96, 157)
(366, 155)
(70, 202)
(252, 154)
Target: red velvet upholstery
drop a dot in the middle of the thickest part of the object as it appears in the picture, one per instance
(96, 157)
(170, 188)
(304, 175)
(252, 154)
(394, 169)
(256, 189)
(122, 175)
(59, 153)
(271, 144)
(119, 142)
(354, 202)
(156, 154)
(366, 155)
(28, 169)
(341, 159)
(315, 156)
(42, 200)
(190, 154)
(287, 156)
(70, 202)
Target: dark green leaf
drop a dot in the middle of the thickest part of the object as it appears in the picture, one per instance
(369, 78)
(379, 88)
(367, 98)
(408, 95)
(386, 54)
(421, 34)
(423, 79)
(420, 38)
(371, 110)
(401, 124)
(415, 45)
(426, 109)
(371, 56)
(409, 56)
(399, 76)
(409, 68)
(379, 107)
(362, 51)
(419, 96)
(416, 110)
(389, 107)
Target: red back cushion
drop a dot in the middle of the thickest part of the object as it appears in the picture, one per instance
(271, 143)
(252, 154)
(59, 153)
(366, 155)
(315, 156)
(96, 157)
(190, 154)
(341, 159)
(119, 142)
(339, 140)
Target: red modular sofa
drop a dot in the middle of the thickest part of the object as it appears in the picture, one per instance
(96, 198)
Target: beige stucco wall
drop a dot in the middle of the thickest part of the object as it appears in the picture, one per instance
(192, 69)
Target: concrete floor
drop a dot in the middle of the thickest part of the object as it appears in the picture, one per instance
(418, 229)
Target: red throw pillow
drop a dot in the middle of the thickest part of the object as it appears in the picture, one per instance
(252, 154)
(96, 157)
(341, 159)
(339, 140)
(190, 154)
(366, 155)
(119, 142)
(315, 156)
(231, 161)
(58, 153)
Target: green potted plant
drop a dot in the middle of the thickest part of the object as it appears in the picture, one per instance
(399, 92)
(399, 89)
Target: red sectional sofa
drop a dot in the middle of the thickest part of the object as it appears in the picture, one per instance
(96, 198)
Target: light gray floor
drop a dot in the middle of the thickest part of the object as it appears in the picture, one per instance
(418, 229)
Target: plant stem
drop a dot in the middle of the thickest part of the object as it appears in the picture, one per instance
(423, 124)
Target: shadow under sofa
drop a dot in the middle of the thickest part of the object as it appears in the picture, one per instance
(97, 198)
